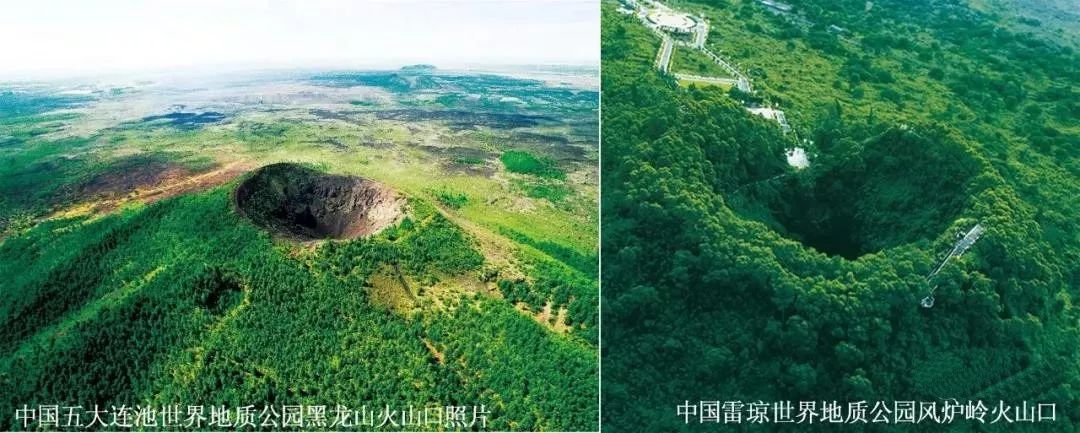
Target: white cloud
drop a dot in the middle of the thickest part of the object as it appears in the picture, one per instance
(73, 37)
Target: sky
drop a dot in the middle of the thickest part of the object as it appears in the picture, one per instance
(55, 38)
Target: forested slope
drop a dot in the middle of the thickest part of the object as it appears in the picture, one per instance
(729, 276)
(186, 302)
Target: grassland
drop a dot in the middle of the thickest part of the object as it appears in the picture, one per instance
(119, 231)
(693, 62)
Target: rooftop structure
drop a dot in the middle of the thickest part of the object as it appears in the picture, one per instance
(671, 21)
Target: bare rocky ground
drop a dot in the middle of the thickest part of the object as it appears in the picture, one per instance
(300, 203)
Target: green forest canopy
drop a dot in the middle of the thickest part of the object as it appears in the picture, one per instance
(154, 305)
(708, 293)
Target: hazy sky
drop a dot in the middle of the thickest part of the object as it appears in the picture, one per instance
(75, 37)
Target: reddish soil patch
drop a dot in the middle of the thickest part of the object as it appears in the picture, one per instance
(199, 182)
(149, 183)
(127, 179)
(435, 353)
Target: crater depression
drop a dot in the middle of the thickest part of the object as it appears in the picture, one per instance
(863, 197)
(305, 204)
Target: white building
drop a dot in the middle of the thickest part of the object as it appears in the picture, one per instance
(671, 21)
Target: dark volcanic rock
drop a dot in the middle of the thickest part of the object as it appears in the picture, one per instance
(306, 204)
(460, 119)
(186, 121)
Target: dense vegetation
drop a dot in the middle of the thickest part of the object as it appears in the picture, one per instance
(861, 196)
(526, 163)
(709, 296)
(156, 305)
(690, 61)
(135, 271)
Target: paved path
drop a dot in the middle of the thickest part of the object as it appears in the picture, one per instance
(714, 80)
(960, 247)
(700, 33)
(743, 81)
(665, 55)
